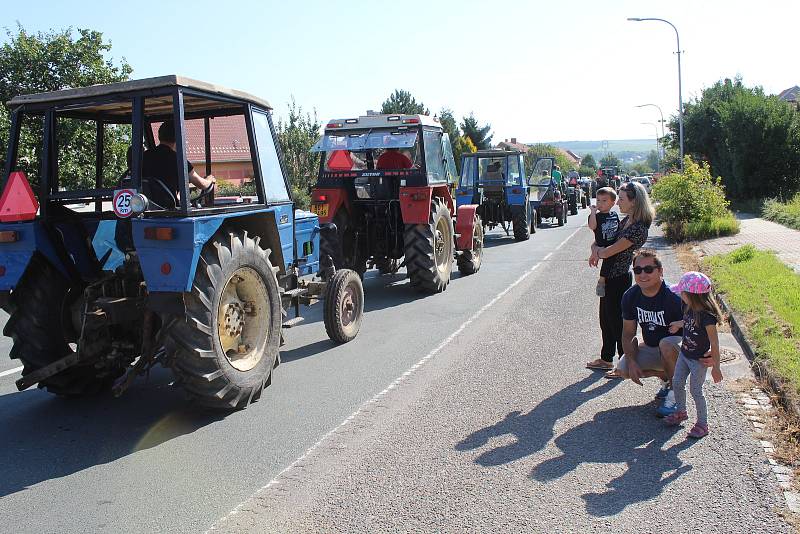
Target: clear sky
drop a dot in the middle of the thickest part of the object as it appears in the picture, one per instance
(537, 71)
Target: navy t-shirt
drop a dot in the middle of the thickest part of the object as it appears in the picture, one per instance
(605, 234)
(652, 313)
(695, 337)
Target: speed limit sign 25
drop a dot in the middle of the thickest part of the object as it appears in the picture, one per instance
(122, 202)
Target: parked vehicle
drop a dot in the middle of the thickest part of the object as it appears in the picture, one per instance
(547, 197)
(385, 182)
(575, 195)
(495, 181)
(147, 274)
(646, 183)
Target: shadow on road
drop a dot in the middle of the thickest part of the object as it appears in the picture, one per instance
(45, 437)
(622, 435)
(534, 429)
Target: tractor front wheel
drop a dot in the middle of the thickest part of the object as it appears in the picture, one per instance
(224, 349)
(429, 250)
(469, 261)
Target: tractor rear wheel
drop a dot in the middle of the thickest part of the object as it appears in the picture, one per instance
(224, 349)
(469, 261)
(39, 327)
(534, 220)
(344, 306)
(562, 217)
(521, 226)
(429, 250)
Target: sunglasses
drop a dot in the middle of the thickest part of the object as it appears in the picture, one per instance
(647, 268)
(630, 190)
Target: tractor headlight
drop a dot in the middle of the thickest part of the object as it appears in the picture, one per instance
(139, 203)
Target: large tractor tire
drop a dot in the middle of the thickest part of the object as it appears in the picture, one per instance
(39, 327)
(469, 261)
(534, 220)
(562, 217)
(429, 250)
(224, 349)
(521, 226)
(583, 202)
(344, 306)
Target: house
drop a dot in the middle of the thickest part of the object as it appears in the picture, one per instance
(571, 156)
(230, 149)
(791, 95)
(511, 144)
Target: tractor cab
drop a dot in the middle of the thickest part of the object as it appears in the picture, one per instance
(547, 197)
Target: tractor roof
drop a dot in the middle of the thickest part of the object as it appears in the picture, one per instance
(67, 96)
(376, 120)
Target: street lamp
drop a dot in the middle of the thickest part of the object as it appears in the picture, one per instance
(680, 95)
(660, 113)
(658, 148)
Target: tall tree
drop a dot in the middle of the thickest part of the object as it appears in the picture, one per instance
(32, 63)
(402, 102)
(449, 124)
(588, 161)
(479, 135)
(543, 150)
(750, 139)
(610, 160)
(296, 136)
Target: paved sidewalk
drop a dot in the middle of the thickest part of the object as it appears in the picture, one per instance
(765, 235)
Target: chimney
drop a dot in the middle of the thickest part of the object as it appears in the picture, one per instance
(513, 140)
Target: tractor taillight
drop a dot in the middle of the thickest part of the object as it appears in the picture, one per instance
(334, 125)
(2, 270)
(166, 268)
(410, 121)
(516, 191)
(158, 233)
(8, 236)
(320, 198)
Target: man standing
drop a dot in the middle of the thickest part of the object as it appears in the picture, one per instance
(557, 174)
(651, 305)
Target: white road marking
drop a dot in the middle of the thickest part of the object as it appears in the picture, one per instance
(396, 382)
(10, 371)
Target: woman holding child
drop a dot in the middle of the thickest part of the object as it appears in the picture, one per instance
(616, 254)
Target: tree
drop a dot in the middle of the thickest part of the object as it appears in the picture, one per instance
(296, 137)
(543, 150)
(610, 160)
(588, 161)
(749, 139)
(402, 102)
(653, 161)
(479, 135)
(49, 62)
(449, 124)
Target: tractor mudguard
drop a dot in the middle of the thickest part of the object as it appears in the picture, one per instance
(333, 198)
(415, 202)
(465, 223)
(28, 237)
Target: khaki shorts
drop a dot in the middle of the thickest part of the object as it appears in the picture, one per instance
(649, 358)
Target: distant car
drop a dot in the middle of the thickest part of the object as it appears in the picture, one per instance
(645, 181)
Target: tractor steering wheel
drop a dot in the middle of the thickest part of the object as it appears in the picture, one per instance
(207, 192)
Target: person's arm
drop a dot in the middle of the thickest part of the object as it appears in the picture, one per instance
(593, 218)
(201, 182)
(713, 359)
(618, 246)
(630, 346)
(674, 326)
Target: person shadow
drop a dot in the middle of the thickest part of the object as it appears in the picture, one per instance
(534, 429)
(620, 435)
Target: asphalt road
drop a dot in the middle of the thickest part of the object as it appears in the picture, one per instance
(149, 462)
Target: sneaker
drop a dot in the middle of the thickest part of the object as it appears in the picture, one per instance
(668, 407)
(665, 389)
(676, 418)
(698, 431)
(600, 290)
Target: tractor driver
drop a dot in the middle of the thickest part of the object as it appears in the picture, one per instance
(162, 162)
(392, 159)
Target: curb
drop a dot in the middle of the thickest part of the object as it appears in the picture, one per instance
(759, 367)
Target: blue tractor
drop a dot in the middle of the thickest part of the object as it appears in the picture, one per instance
(109, 264)
(495, 181)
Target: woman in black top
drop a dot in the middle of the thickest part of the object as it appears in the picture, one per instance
(633, 229)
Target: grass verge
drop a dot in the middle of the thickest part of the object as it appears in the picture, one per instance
(785, 213)
(765, 294)
(701, 229)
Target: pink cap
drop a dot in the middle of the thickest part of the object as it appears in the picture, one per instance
(693, 282)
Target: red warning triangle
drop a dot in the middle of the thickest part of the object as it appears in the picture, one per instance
(340, 161)
(18, 202)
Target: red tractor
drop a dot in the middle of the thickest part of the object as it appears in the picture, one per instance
(384, 199)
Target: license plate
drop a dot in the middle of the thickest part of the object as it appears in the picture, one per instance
(320, 210)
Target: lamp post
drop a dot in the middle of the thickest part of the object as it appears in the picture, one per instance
(659, 112)
(680, 95)
(658, 148)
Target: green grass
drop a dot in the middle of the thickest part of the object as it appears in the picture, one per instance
(702, 229)
(785, 213)
(765, 294)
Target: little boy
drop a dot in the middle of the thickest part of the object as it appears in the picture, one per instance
(605, 224)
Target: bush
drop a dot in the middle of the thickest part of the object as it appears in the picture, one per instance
(785, 213)
(692, 205)
(229, 189)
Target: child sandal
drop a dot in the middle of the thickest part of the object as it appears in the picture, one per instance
(698, 431)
